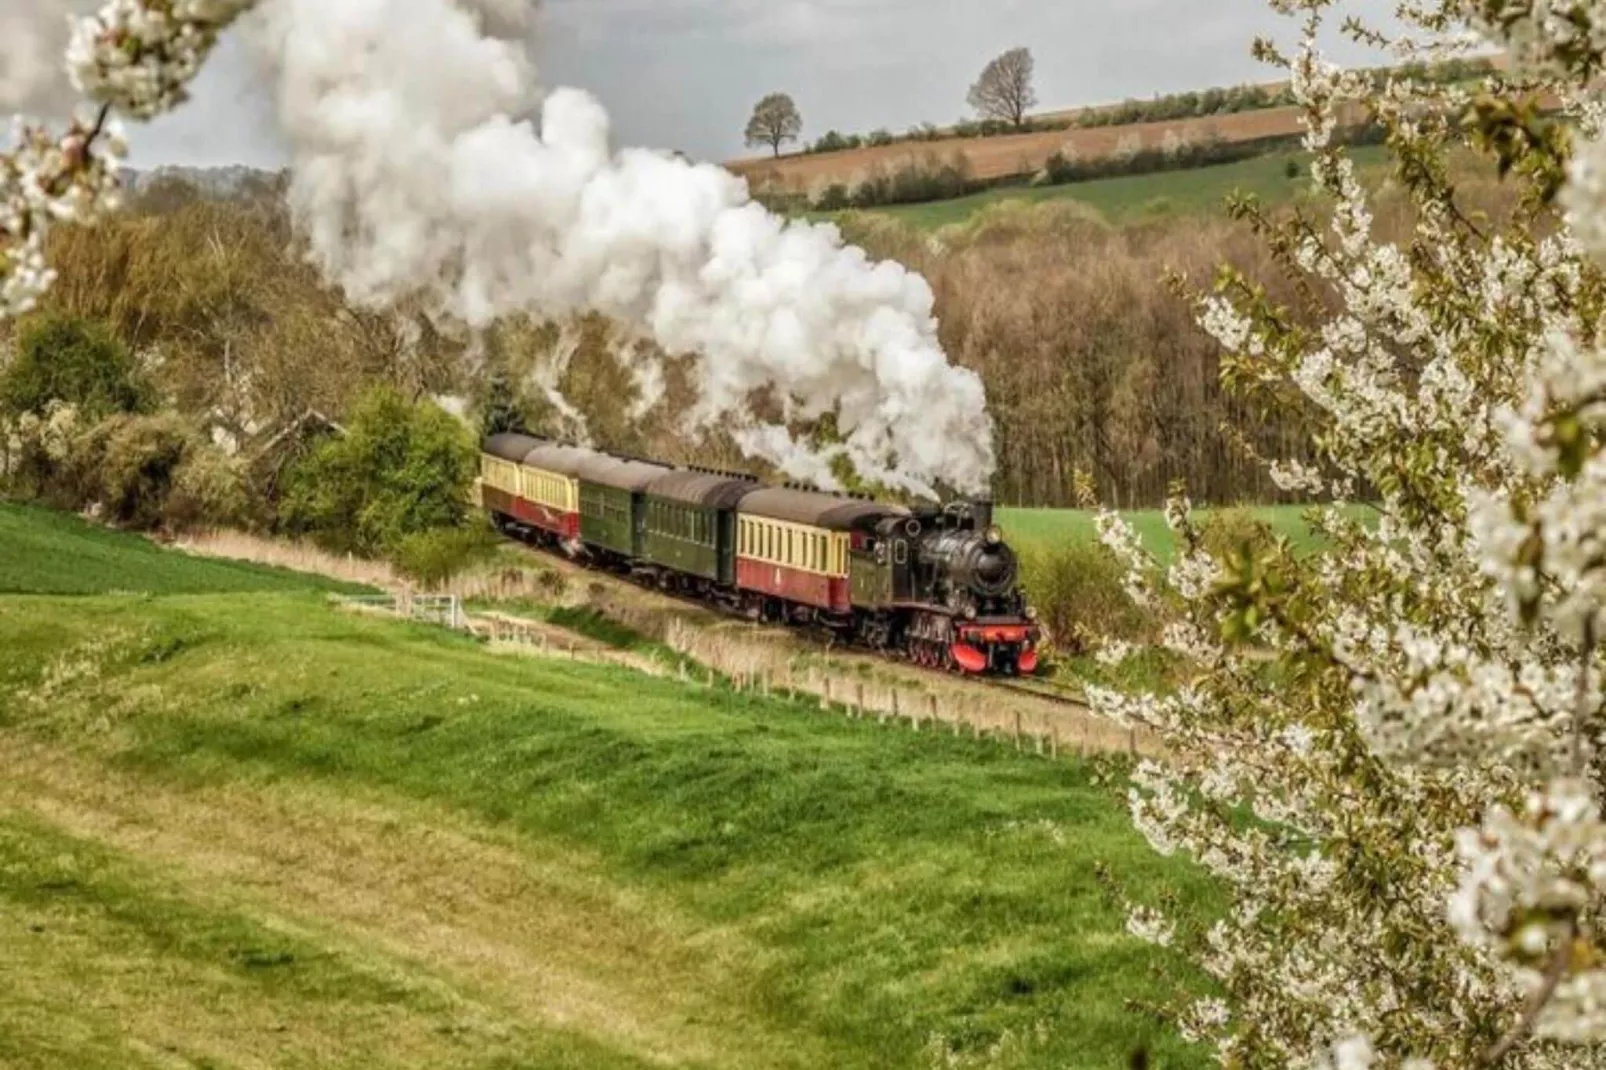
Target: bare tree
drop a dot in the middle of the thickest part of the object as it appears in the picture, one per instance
(1004, 90)
(775, 121)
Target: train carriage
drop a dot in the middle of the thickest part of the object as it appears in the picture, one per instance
(613, 504)
(549, 489)
(500, 458)
(690, 524)
(795, 545)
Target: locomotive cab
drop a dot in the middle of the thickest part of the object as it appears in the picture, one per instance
(953, 582)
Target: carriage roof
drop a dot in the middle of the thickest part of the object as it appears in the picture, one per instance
(620, 474)
(829, 511)
(704, 490)
(510, 446)
(560, 460)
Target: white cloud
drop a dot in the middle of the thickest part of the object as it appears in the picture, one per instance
(684, 73)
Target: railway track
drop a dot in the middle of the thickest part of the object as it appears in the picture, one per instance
(1034, 688)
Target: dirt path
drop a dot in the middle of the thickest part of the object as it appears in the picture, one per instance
(525, 932)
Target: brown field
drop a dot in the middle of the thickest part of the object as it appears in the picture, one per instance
(1007, 155)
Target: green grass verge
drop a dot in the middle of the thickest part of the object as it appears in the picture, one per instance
(47, 552)
(104, 953)
(866, 893)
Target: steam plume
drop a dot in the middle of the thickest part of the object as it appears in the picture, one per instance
(33, 39)
(414, 173)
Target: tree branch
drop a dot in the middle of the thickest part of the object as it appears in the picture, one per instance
(1523, 1028)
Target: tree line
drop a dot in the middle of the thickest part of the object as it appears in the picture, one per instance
(1004, 94)
(1089, 361)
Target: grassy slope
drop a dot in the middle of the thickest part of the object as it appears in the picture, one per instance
(46, 552)
(1197, 190)
(252, 828)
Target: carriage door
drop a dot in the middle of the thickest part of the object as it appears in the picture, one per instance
(725, 534)
(638, 525)
(903, 588)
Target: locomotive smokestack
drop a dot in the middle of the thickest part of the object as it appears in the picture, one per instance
(982, 510)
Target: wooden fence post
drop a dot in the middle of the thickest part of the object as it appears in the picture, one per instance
(859, 705)
(1017, 730)
(1054, 743)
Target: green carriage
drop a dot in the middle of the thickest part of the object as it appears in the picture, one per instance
(612, 508)
(690, 523)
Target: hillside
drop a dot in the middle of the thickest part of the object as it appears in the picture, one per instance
(251, 830)
(47, 552)
(992, 158)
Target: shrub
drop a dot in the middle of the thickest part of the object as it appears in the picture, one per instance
(830, 141)
(77, 362)
(434, 557)
(1229, 532)
(401, 469)
(881, 138)
(1060, 169)
(1077, 589)
(152, 472)
(209, 490)
(35, 451)
(834, 198)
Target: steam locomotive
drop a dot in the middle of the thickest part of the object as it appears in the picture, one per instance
(936, 584)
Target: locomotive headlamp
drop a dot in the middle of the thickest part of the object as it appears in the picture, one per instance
(1031, 612)
(970, 612)
(995, 535)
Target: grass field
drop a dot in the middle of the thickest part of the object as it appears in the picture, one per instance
(46, 552)
(1137, 197)
(246, 829)
(1040, 528)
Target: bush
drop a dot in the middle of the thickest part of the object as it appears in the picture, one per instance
(1077, 589)
(1230, 531)
(77, 362)
(434, 557)
(834, 198)
(401, 469)
(209, 491)
(880, 138)
(153, 472)
(830, 141)
(135, 459)
(916, 182)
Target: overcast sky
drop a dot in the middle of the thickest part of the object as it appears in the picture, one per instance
(684, 74)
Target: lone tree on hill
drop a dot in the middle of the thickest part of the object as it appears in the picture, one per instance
(1004, 90)
(775, 121)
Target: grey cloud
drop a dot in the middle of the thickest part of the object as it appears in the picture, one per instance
(684, 74)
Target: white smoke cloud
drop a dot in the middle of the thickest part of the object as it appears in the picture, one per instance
(548, 374)
(33, 43)
(414, 173)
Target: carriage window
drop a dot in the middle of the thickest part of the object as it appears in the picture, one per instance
(900, 552)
